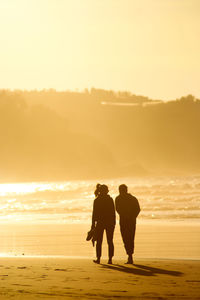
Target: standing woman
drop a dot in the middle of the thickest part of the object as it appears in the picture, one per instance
(103, 218)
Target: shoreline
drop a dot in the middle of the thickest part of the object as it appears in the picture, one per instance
(67, 257)
(140, 221)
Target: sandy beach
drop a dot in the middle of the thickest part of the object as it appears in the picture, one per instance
(59, 278)
(55, 262)
(46, 258)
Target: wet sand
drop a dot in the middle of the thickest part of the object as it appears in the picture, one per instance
(62, 278)
(175, 240)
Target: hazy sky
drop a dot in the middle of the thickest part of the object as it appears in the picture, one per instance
(149, 47)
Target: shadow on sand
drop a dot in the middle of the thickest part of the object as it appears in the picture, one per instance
(141, 270)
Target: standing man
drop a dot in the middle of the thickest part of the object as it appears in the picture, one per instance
(128, 209)
(103, 218)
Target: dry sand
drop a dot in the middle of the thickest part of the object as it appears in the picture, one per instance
(63, 278)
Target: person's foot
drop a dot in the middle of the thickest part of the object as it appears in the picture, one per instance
(110, 261)
(130, 260)
(97, 261)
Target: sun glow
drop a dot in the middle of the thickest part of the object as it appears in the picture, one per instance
(31, 187)
(16, 188)
(111, 44)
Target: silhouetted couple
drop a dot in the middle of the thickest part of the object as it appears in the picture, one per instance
(104, 218)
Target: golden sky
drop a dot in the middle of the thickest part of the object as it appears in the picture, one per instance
(149, 47)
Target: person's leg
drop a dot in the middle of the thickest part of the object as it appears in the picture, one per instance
(127, 229)
(132, 237)
(109, 235)
(99, 233)
(125, 234)
(130, 243)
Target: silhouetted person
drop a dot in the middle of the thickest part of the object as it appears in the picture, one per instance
(128, 209)
(103, 218)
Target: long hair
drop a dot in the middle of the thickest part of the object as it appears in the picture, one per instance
(97, 191)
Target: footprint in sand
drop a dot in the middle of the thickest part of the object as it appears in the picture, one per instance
(18, 284)
(43, 276)
(64, 270)
(117, 291)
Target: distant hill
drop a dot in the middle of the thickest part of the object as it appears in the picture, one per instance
(50, 135)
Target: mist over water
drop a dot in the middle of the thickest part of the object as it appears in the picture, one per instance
(161, 198)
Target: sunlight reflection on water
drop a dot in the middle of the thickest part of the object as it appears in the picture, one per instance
(71, 201)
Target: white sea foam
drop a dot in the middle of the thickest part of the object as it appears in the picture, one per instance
(71, 202)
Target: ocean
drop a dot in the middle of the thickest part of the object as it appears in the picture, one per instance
(52, 218)
(164, 198)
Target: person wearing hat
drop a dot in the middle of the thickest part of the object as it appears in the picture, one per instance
(128, 209)
(103, 218)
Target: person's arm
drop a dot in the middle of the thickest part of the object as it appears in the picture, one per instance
(94, 215)
(113, 212)
(117, 205)
(137, 207)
